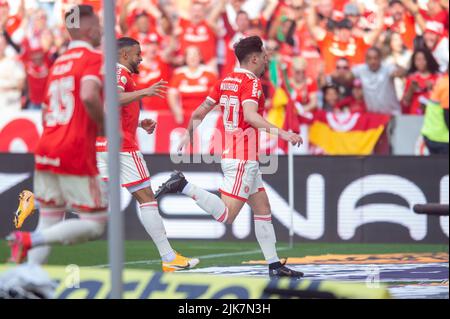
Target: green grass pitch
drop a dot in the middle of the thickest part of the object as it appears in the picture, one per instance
(213, 253)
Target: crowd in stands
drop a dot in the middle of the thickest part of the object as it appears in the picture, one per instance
(342, 56)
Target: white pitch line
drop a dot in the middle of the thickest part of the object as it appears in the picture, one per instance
(156, 261)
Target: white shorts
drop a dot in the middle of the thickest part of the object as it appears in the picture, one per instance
(78, 193)
(134, 173)
(241, 179)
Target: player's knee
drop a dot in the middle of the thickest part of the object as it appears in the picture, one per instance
(97, 230)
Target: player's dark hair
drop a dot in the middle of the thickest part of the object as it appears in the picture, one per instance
(82, 10)
(247, 46)
(126, 42)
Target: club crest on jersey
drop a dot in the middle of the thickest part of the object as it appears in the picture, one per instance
(246, 189)
(124, 80)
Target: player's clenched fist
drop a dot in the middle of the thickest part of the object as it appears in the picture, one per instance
(292, 138)
(148, 125)
(158, 89)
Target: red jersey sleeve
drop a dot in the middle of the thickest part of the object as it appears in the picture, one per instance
(214, 94)
(251, 91)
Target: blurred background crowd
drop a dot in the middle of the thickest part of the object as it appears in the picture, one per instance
(375, 56)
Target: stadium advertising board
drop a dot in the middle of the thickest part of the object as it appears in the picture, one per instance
(337, 199)
(89, 283)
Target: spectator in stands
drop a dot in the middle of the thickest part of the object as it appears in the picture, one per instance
(36, 26)
(353, 14)
(340, 77)
(190, 85)
(9, 24)
(233, 36)
(304, 88)
(397, 54)
(304, 43)
(436, 10)
(12, 80)
(144, 21)
(340, 42)
(354, 103)
(154, 67)
(330, 98)
(436, 122)
(436, 41)
(37, 66)
(201, 30)
(422, 76)
(378, 83)
(401, 19)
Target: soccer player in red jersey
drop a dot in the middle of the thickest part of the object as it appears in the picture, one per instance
(242, 101)
(133, 170)
(66, 175)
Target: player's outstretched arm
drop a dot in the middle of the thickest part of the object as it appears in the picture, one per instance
(158, 89)
(196, 119)
(252, 117)
(90, 94)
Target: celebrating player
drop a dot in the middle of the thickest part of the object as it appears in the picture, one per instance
(242, 101)
(133, 170)
(66, 174)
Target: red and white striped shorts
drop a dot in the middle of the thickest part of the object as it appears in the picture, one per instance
(241, 178)
(133, 168)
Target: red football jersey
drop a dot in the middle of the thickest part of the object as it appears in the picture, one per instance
(192, 86)
(67, 144)
(332, 49)
(423, 91)
(239, 87)
(37, 76)
(201, 35)
(129, 114)
(150, 72)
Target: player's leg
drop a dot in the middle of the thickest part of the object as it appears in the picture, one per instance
(48, 216)
(265, 232)
(234, 191)
(83, 194)
(136, 178)
(87, 197)
(51, 211)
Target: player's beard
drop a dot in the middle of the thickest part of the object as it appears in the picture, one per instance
(263, 71)
(135, 68)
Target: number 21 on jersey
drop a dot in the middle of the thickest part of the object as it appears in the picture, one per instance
(230, 105)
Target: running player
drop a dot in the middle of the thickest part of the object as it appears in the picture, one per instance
(134, 172)
(242, 101)
(66, 175)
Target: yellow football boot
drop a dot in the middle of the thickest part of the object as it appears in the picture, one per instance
(26, 208)
(179, 263)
